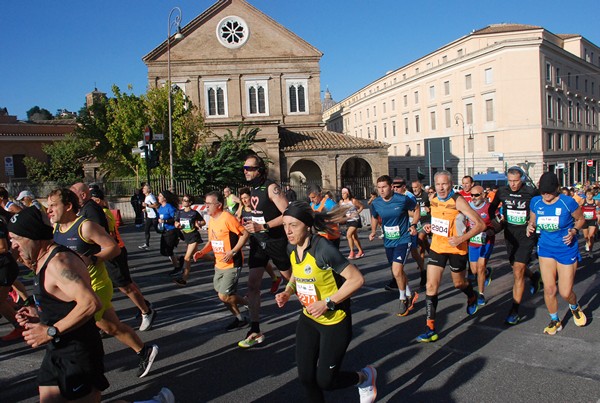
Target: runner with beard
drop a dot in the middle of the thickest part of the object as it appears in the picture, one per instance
(267, 238)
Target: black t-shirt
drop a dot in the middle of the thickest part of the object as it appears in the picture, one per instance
(515, 205)
(264, 210)
(93, 212)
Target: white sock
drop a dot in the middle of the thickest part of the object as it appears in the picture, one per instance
(239, 316)
(408, 293)
(402, 294)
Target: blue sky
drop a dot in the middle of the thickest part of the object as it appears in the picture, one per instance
(53, 53)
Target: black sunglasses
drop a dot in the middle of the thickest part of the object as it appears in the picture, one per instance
(250, 168)
(475, 194)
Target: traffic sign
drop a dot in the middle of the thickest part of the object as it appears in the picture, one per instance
(147, 134)
(158, 137)
(9, 166)
(590, 163)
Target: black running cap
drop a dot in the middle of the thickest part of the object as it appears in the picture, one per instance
(29, 223)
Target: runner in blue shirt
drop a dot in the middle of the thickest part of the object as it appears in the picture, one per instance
(394, 208)
(557, 218)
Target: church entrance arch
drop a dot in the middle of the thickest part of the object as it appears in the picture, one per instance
(303, 175)
(356, 174)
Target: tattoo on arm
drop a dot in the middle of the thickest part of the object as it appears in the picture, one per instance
(276, 190)
(70, 275)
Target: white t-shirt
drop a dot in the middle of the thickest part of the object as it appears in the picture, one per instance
(150, 212)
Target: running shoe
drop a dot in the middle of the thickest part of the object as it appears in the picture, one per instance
(143, 247)
(428, 336)
(402, 307)
(488, 276)
(147, 359)
(147, 320)
(16, 334)
(180, 281)
(360, 254)
(579, 317)
(164, 396)
(275, 285)
(536, 283)
(481, 300)
(251, 340)
(554, 327)
(236, 324)
(392, 285)
(175, 272)
(512, 319)
(367, 390)
(351, 256)
(472, 305)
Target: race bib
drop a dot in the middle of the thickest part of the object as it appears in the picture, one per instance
(259, 220)
(423, 212)
(185, 223)
(218, 246)
(516, 217)
(478, 239)
(440, 227)
(549, 224)
(307, 293)
(392, 232)
(588, 215)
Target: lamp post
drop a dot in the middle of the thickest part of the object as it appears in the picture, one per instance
(172, 22)
(472, 138)
(460, 117)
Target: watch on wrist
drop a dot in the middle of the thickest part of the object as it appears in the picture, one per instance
(266, 226)
(330, 304)
(52, 331)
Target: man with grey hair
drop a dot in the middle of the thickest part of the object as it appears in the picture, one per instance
(449, 246)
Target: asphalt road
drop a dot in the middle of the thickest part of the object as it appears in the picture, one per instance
(477, 358)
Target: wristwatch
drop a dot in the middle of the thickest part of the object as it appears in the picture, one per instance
(52, 331)
(330, 304)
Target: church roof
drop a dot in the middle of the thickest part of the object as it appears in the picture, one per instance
(313, 140)
(37, 129)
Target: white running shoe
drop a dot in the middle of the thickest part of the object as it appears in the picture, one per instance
(368, 389)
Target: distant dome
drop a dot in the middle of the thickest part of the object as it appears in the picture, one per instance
(328, 101)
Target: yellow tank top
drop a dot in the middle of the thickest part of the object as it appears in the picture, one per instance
(444, 225)
(315, 284)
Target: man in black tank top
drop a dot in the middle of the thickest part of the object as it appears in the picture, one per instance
(62, 318)
(267, 238)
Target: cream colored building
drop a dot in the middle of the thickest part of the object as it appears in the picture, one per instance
(503, 95)
(239, 66)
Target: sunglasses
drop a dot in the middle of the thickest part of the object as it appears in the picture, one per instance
(250, 168)
(186, 200)
(475, 194)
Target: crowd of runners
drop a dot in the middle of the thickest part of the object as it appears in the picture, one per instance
(71, 244)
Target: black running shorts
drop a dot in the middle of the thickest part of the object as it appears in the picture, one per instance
(519, 246)
(261, 250)
(77, 367)
(9, 270)
(457, 262)
(118, 270)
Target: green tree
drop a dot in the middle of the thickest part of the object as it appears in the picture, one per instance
(219, 164)
(37, 113)
(65, 161)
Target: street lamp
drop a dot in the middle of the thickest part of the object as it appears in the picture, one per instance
(460, 117)
(170, 24)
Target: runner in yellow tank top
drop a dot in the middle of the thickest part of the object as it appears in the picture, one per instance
(449, 245)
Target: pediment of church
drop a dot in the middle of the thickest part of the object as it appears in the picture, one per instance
(233, 30)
